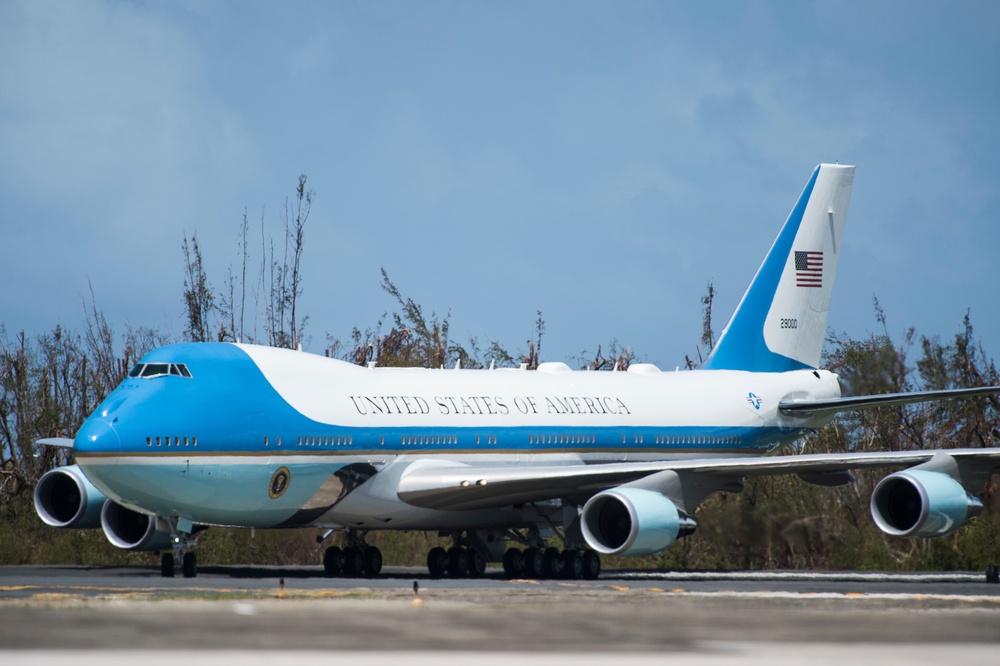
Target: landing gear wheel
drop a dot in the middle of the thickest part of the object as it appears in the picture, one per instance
(167, 565)
(591, 565)
(572, 563)
(993, 574)
(437, 562)
(458, 562)
(354, 561)
(372, 561)
(513, 563)
(551, 563)
(533, 563)
(333, 561)
(189, 565)
(477, 563)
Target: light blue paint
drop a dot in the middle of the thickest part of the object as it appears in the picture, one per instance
(743, 347)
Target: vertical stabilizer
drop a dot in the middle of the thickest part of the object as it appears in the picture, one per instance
(780, 323)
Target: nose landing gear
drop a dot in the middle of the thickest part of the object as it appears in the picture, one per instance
(182, 551)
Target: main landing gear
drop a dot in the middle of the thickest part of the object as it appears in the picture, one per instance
(356, 559)
(469, 554)
(534, 562)
(472, 550)
(457, 562)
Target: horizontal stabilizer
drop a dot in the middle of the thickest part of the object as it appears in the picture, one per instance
(813, 408)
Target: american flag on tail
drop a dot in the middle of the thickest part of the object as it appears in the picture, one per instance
(808, 269)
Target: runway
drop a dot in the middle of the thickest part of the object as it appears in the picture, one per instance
(624, 615)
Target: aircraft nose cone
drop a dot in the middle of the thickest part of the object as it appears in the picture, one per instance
(97, 436)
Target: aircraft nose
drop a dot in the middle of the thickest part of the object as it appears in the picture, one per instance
(97, 436)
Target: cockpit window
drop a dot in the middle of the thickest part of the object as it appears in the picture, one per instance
(155, 369)
(150, 370)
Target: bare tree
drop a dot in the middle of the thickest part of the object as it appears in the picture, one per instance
(285, 277)
(199, 301)
(707, 335)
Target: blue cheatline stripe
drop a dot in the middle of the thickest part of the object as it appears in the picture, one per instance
(742, 346)
(333, 440)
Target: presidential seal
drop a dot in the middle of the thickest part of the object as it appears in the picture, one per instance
(279, 482)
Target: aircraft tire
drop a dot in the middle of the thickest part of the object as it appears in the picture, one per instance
(189, 565)
(458, 562)
(591, 565)
(372, 561)
(477, 563)
(437, 562)
(572, 563)
(333, 561)
(513, 563)
(551, 563)
(533, 563)
(354, 561)
(167, 565)
(993, 574)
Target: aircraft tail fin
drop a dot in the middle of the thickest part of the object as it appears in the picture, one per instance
(780, 323)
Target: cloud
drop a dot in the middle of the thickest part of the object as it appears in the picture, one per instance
(601, 164)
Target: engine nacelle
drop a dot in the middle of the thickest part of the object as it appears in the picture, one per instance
(920, 503)
(65, 498)
(632, 521)
(132, 530)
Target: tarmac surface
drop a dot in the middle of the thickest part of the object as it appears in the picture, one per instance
(122, 615)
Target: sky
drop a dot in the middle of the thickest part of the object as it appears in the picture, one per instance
(599, 162)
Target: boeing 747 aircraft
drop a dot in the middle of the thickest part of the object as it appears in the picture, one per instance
(611, 463)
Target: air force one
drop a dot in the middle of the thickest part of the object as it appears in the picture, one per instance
(609, 463)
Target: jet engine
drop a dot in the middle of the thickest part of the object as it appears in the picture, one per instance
(132, 530)
(632, 521)
(921, 503)
(65, 498)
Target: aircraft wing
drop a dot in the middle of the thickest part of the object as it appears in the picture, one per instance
(835, 405)
(456, 487)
